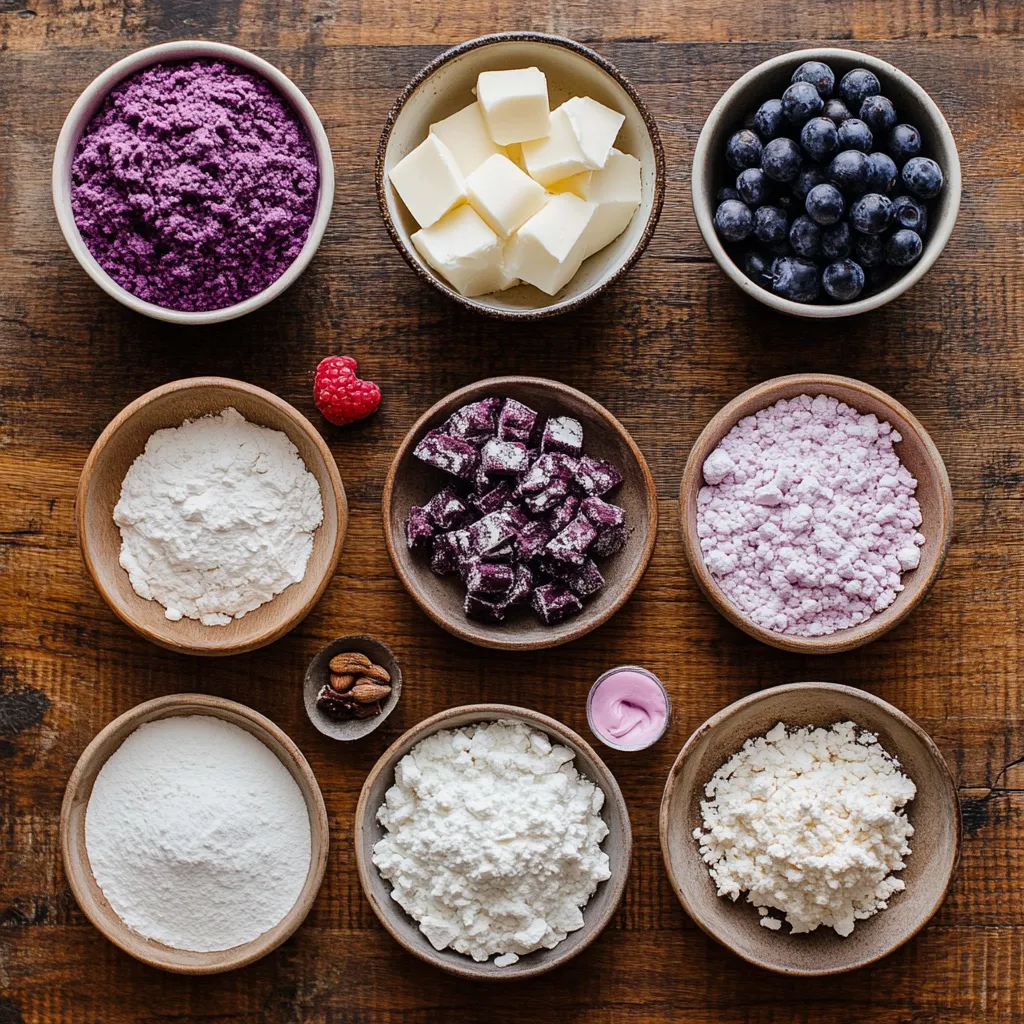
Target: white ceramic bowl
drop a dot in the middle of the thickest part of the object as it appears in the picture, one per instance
(89, 102)
(445, 85)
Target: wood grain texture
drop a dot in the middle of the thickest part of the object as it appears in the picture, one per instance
(663, 350)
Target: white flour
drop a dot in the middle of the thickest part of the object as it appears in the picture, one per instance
(493, 840)
(216, 517)
(197, 834)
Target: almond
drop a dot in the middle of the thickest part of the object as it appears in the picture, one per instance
(368, 691)
(343, 664)
(377, 672)
(341, 683)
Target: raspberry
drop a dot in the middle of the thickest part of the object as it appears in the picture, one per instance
(340, 395)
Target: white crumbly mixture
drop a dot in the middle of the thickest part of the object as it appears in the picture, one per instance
(493, 840)
(809, 823)
(217, 517)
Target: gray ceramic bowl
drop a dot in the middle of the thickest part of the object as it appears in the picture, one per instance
(445, 85)
(767, 80)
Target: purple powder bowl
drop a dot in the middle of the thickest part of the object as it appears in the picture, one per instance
(193, 181)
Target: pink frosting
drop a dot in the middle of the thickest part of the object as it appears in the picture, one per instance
(629, 709)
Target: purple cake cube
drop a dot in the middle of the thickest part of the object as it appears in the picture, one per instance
(610, 541)
(504, 458)
(554, 603)
(596, 477)
(601, 514)
(418, 530)
(553, 466)
(446, 510)
(506, 553)
(494, 530)
(562, 515)
(548, 498)
(482, 610)
(562, 434)
(450, 454)
(444, 555)
(533, 538)
(522, 586)
(572, 543)
(478, 419)
(489, 578)
(493, 499)
(516, 421)
(517, 515)
(586, 579)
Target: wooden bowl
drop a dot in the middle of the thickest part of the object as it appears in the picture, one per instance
(318, 675)
(445, 85)
(411, 482)
(597, 913)
(99, 487)
(76, 858)
(916, 451)
(934, 813)
(769, 80)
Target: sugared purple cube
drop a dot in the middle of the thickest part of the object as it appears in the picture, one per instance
(572, 543)
(596, 477)
(522, 586)
(562, 434)
(602, 514)
(545, 500)
(490, 578)
(546, 468)
(444, 555)
(517, 515)
(446, 510)
(506, 553)
(554, 603)
(451, 454)
(562, 515)
(492, 500)
(478, 419)
(586, 579)
(503, 458)
(482, 610)
(494, 530)
(516, 421)
(418, 530)
(533, 538)
(610, 541)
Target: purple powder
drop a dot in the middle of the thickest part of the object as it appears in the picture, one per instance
(194, 185)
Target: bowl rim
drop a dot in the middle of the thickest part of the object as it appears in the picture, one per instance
(603, 778)
(88, 103)
(708, 726)
(502, 641)
(178, 705)
(556, 309)
(853, 636)
(704, 212)
(98, 450)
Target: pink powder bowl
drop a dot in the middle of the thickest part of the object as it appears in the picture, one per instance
(628, 708)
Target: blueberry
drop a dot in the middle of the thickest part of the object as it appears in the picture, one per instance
(821, 76)
(843, 280)
(904, 142)
(743, 150)
(878, 113)
(882, 172)
(855, 134)
(770, 225)
(857, 85)
(757, 268)
(754, 186)
(734, 221)
(795, 279)
(922, 177)
(907, 212)
(820, 138)
(727, 193)
(836, 111)
(809, 176)
(800, 102)
(805, 237)
(837, 241)
(869, 250)
(904, 248)
(780, 159)
(824, 204)
(769, 121)
(870, 214)
(849, 171)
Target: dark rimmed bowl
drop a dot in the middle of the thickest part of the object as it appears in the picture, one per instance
(444, 86)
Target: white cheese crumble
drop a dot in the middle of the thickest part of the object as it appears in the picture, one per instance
(808, 823)
(493, 840)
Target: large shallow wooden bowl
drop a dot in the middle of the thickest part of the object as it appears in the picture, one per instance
(916, 451)
(411, 482)
(597, 913)
(99, 487)
(934, 812)
(76, 858)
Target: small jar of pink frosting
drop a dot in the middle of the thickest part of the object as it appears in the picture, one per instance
(628, 708)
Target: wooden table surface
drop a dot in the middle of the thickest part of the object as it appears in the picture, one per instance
(664, 349)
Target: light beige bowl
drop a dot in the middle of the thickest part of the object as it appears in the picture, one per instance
(445, 85)
(90, 101)
(934, 813)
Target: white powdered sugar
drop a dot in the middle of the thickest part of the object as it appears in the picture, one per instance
(493, 840)
(808, 823)
(197, 834)
(217, 517)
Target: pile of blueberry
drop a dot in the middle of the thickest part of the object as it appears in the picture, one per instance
(831, 190)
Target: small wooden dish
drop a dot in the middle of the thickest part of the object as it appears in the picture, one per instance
(76, 858)
(404, 930)
(99, 488)
(318, 675)
(411, 482)
(916, 451)
(934, 813)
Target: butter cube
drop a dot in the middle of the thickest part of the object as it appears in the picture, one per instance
(514, 104)
(548, 249)
(595, 127)
(557, 155)
(464, 251)
(615, 194)
(575, 184)
(429, 181)
(503, 195)
(466, 136)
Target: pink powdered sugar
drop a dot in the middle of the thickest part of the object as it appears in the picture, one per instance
(808, 518)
